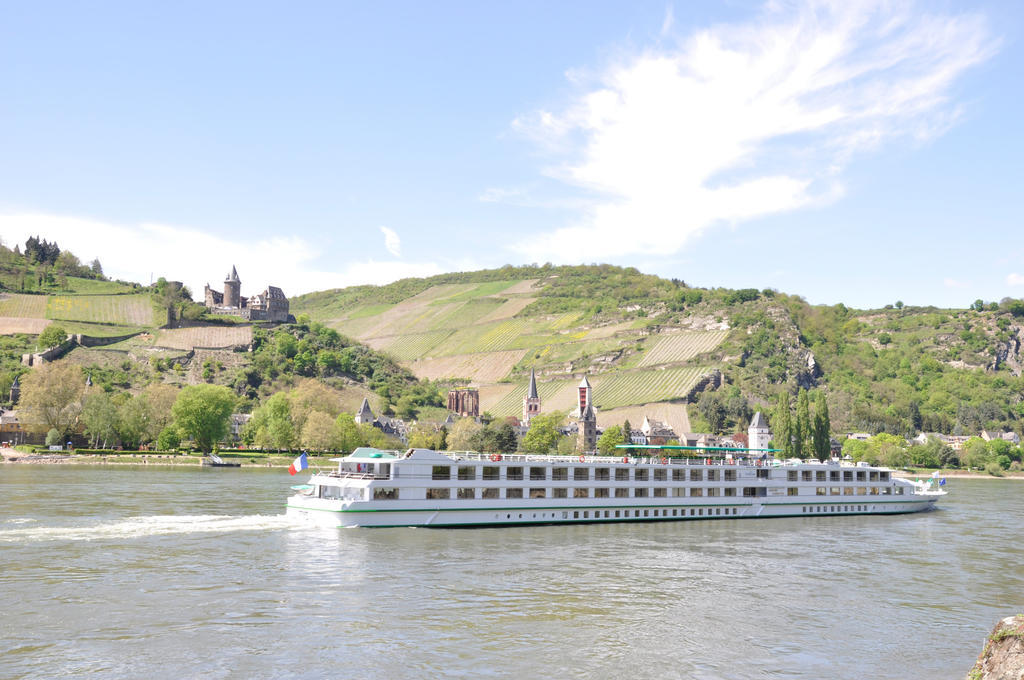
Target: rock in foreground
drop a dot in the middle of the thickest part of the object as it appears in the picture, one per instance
(1003, 656)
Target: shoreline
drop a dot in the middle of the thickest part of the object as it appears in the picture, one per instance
(169, 460)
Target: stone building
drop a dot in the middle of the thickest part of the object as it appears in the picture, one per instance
(758, 434)
(270, 305)
(465, 402)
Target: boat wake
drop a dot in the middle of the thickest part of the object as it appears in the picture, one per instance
(139, 527)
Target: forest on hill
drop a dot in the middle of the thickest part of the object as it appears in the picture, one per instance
(718, 354)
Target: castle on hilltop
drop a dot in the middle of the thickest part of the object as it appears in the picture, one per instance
(270, 305)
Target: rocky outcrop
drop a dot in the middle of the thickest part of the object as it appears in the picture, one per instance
(1003, 655)
(1007, 353)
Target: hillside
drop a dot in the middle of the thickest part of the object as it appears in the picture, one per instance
(646, 344)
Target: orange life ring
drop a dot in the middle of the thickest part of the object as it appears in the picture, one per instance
(583, 459)
(495, 457)
(664, 461)
(625, 459)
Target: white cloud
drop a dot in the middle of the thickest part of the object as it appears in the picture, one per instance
(145, 252)
(391, 241)
(747, 120)
(1015, 279)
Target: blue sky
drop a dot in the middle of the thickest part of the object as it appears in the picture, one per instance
(856, 152)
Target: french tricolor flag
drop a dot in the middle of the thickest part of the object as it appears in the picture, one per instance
(298, 464)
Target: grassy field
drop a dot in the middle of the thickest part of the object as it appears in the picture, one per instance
(126, 310)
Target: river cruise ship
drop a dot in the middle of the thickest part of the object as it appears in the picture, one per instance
(424, 488)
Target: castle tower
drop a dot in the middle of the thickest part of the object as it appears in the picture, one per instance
(758, 434)
(232, 289)
(15, 390)
(531, 402)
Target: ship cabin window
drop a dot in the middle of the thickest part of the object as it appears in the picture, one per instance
(602, 474)
(730, 491)
(492, 472)
(639, 493)
(641, 475)
(581, 492)
(833, 475)
(847, 475)
(467, 472)
(559, 493)
(601, 492)
(819, 491)
(833, 491)
(873, 476)
(438, 494)
(793, 491)
(696, 492)
(661, 475)
(791, 475)
(385, 494)
(861, 476)
(560, 474)
(899, 490)
(441, 472)
(466, 494)
(513, 493)
(538, 493)
(621, 474)
(330, 492)
(538, 473)
(883, 476)
(580, 474)
(621, 493)
(679, 475)
(491, 493)
(874, 491)
(660, 492)
(696, 475)
(862, 490)
(730, 475)
(514, 473)
(847, 490)
(805, 476)
(819, 475)
(713, 475)
(886, 490)
(678, 491)
(749, 491)
(763, 474)
(712, 492)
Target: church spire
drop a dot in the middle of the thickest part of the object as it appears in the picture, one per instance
(532, 391)
(531, 402)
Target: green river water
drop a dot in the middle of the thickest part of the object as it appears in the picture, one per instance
(194, 573)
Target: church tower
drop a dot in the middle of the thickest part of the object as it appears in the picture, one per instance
(587, 417)
(232, 290)
(531, 402)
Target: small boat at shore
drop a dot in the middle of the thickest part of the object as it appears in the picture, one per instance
(424, 488)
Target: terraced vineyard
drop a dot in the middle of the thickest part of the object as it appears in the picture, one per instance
(678, 347)
(24, 306)
(124, 310)
(205, 336)
(9, 325)
(410, 347)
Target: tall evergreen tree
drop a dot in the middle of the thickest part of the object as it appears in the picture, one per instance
(822, 428)
(802, 429)
(782, 424)
(627, 432)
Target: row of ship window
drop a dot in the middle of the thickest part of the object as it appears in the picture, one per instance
(640, 474)
(621, 514)
(470, 493)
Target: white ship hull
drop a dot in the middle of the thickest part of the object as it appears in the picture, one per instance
(428, 489)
